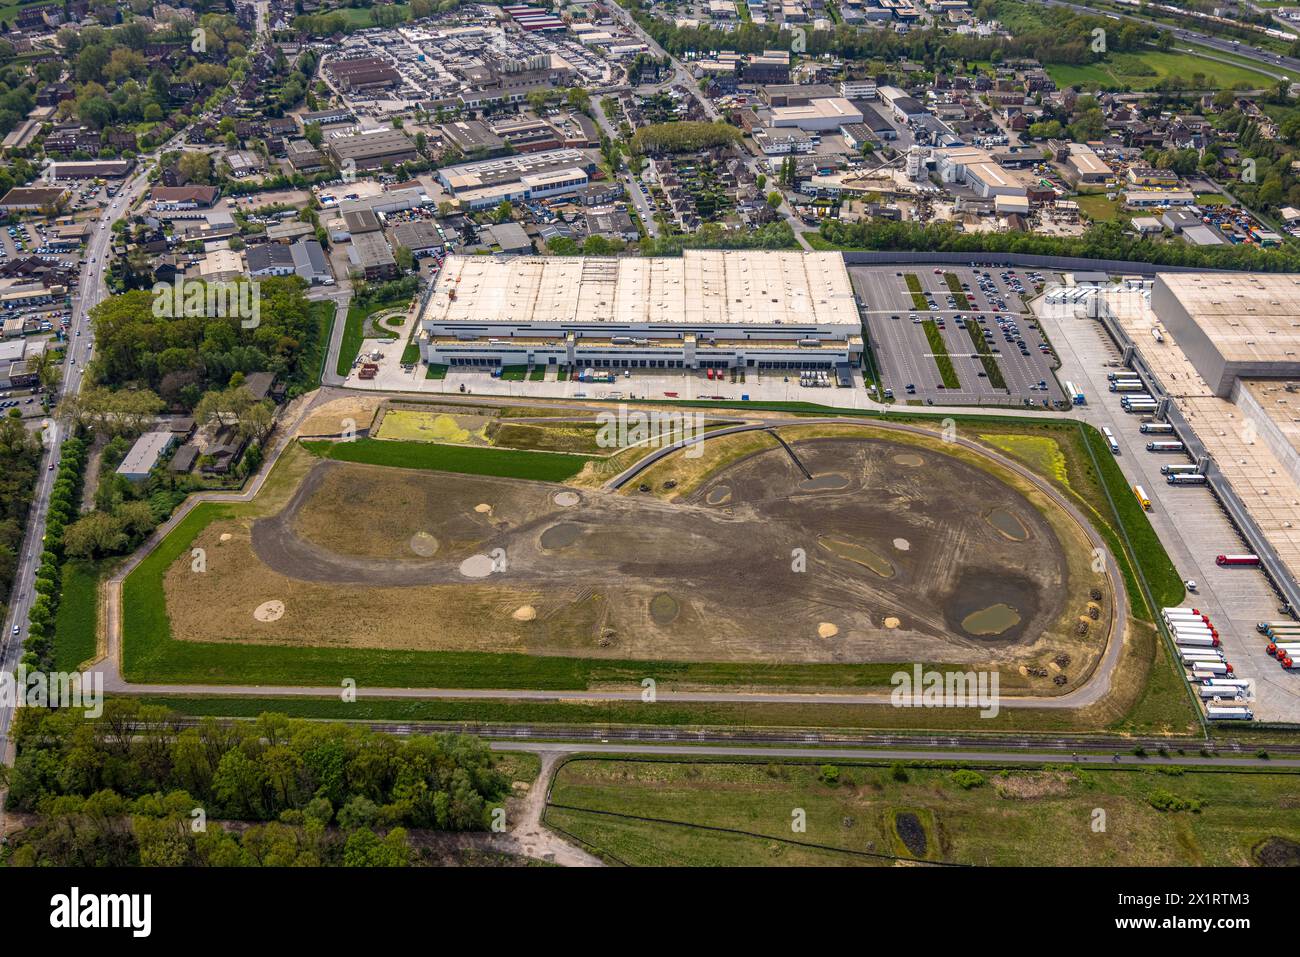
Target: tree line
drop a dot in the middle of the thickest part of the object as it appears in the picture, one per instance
(20, 458)
(126, 788)
(1101, 241)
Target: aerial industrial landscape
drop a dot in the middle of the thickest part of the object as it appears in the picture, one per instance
(651, 433)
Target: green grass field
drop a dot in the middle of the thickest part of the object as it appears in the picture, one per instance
(75, 623)
(657, 813)
(153, 656)
(314, 358)
(1098, 208)
(942, 360)
(1143, 71)
(469, 460)
(914, 287)
(354, 331)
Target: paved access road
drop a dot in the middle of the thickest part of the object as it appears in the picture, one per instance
(886, 754)
(91, 290)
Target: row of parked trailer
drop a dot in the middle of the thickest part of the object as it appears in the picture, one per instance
(1200, 651)
(1283, 641)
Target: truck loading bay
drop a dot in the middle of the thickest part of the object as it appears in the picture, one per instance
(1191, 523)
(896, 316)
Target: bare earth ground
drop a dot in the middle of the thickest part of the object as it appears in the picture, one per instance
(333, 418)
(881, 557)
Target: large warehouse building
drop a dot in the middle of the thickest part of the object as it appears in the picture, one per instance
(1233, 325)
(706, 309)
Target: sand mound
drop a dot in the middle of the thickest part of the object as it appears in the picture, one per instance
(483, 508)
(269, 611)
(902, 544)
(476, 566)
(524, 613)
(827, 630)
(892, 622)
(226, 536)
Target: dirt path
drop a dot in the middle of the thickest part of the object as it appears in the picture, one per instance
(530, 837)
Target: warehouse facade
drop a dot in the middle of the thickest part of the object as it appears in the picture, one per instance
(1233, 325)
(717, 309)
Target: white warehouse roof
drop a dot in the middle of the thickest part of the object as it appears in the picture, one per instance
(701, 287)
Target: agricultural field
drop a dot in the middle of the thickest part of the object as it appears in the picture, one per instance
(655, 813)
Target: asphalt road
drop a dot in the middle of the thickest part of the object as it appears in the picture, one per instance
(883, 754)
(683, 78)
(90, 292)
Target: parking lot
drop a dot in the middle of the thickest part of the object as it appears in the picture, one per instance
(993, 308)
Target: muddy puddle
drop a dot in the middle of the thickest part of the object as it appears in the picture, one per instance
(991, 621)
(1008, 525)
(910, 459)
(1276, 852)
(664, 609)
(861, 555)
(992, 604)
(560, 536)
(718, 495)
(825, 483)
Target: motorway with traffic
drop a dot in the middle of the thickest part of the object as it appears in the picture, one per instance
(1234, 47)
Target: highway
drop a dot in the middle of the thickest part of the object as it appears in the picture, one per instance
(888, 754)
(1237, 48)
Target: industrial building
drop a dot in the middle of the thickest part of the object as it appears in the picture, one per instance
(487, 183)
(1233, 325)
(706, 309)
(819, 116)
(144, 455)
(373, 149)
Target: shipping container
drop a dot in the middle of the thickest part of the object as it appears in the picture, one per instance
(1229, 714)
